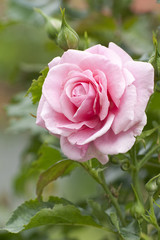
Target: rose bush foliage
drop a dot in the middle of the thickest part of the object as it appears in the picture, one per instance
(95, 101)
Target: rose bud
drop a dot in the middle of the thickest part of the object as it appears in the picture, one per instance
(137, 210)
(52, 26)
(67, 37)
(151, 187)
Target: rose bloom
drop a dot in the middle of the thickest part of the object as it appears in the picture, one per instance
(95, 101)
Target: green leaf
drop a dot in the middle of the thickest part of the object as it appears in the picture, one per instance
(47, 157)
(127, 235)
(99, 214)
(42, 156)
(131, 232)
(61, 215)
(147, 133)
(19, 111)
(23, 214)
(36, 86)
(56, 211)
(52, 174)
(115, 220)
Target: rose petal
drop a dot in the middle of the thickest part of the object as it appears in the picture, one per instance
(120, 52)
(67, 107)
(74, 56)
(125, 112)
(74, 152)
(114, 76)
(59, 121)
(54, 62)
(81, 153)
(110, 143)
(116, 83)
(87, 135)
(53, 85)
(39, 119)
(53, 121)
(144, 83)
(137, 129)
(104, 103)
(75, 77)
(103, 130)
(108, 53)
(77, 92)
(129, 79)
(93, 152)
(85, 111)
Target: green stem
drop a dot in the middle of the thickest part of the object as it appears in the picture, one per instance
(102, 182)
(135, 175)
(147, 156)
(136, 183)
(91, 171)
(151, 164)
(112, 199)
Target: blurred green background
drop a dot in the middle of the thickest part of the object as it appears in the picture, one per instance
(25, 49)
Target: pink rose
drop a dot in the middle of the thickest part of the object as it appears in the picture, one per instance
(95, 101)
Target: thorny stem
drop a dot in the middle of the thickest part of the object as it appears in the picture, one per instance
(101, 180)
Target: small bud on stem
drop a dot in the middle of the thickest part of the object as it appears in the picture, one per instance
(67, 37)
(52, 26)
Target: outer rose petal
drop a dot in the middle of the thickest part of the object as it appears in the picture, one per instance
(46, 116)
(111, 143)
(74, 152)
(144, 83)
(39, 119)
(129, 79)
(125, 112)
(120, 52)
(137, 129)
(54, 62)
(93, 152)
(74, 56)
(61, 124)
(81, 153)
(49, 116)
(108, 53)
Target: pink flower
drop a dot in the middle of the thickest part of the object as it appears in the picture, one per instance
(95, 101)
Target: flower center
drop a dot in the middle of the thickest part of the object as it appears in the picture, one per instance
(78, 91)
